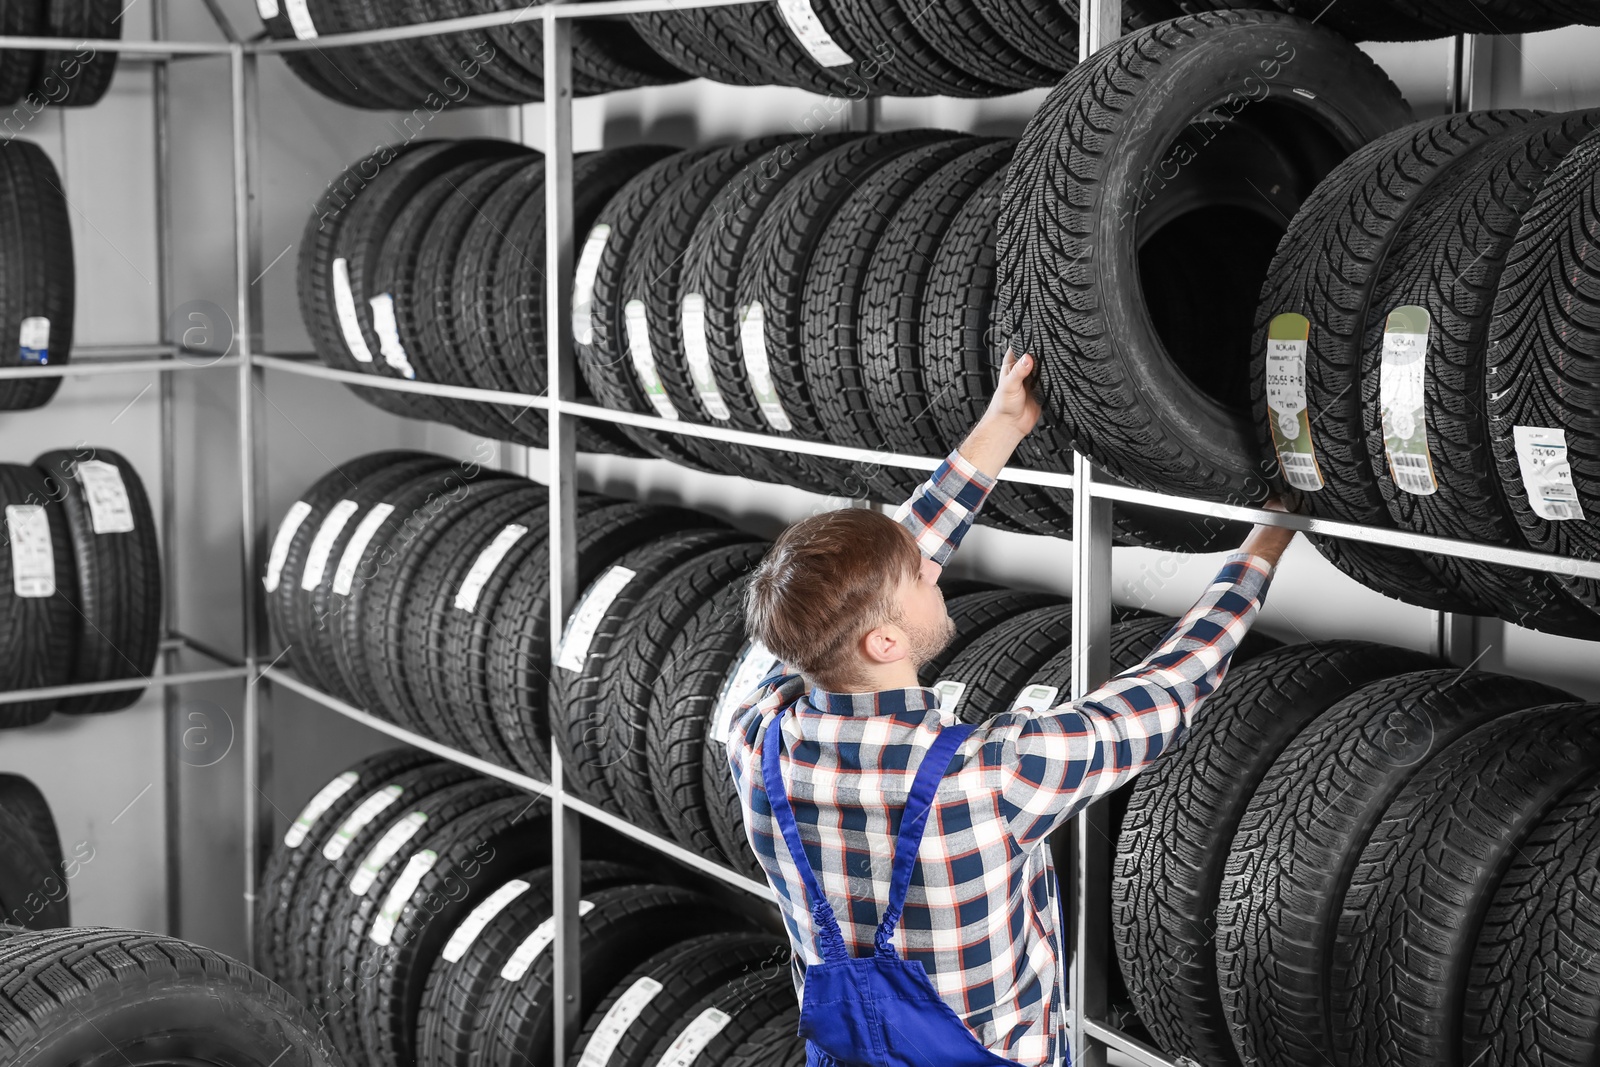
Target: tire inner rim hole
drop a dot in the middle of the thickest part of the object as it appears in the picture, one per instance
(1210, 216)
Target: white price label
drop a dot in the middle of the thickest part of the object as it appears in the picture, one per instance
(535, 943)
(473, 925)
(692, 317)
(1547, 472)
(33, 340)
(688, 1045)
(813, 37)
(33, 556)
(280, 544)
(472, 585)
(392, 841)
(388, 331)
(110, 510)
(345, 575)
(421, 863)
(580, 629)
(1287, 343)
(754, 664)
(753, 344)
(644, 359)
(1402, 393)
(322, 545)
(357, 821)
(583, 277)
(344, 304)
(267, 9)
(300, 19)
(949, 693)
(319, 804)
(618, 1018)
(1036, 698)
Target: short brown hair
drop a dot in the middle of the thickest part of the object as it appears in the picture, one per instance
(828, 580)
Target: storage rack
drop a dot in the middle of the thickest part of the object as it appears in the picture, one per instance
(1086, 885)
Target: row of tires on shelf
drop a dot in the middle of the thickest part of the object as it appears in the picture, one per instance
(75, 77)
(1363, 857)
(409, 907)
(842, 48)
(80, 580)
(37, 280)
(1415, 352)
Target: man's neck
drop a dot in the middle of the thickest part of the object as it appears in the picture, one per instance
(897, 675)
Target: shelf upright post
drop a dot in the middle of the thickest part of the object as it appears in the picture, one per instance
(560, 372)
(1089, 963)
(252, 487)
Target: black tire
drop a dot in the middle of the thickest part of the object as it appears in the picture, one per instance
(1295, 848)
(81, 77)
(1001, 662)
(581, 723)
(25, 802)
(33, 885)
(698, 45)
(94, 995)
(454, 1003)
(776, 1043)
(1327, 268)
(292, 854)
(19, 67)
(975, 614)
(628, 688)
(894, 35)
(762, 32)
(1369, 20)
(1126, 366)
(674, 980)
(1472, 216)
(38, 631)
(1544, 324)
(626, 926)
(963, 34)
(484, 76)
(746, 1004)
(1403, 957)
(36, 233)
(317, 67)
(1044, 30)
(516, 658)
(118, 603)
(1531, 994)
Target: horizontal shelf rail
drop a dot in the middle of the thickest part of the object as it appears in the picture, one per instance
(672, 849)
(109, 365)
(156, 50)
(1377, 535)
(120, 685)
(1132, 1048)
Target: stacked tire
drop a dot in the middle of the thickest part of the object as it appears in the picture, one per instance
(1431, 313)
(1363, 857)
(34, 880)
(409, 906)
(36, 296)
(52, 77)
(80, 581)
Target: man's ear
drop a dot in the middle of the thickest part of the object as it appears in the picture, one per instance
(884, 644)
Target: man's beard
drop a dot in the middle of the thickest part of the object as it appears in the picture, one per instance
(926, 644)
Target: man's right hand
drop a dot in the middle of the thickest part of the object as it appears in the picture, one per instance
(1269, 542)
(1013, 413)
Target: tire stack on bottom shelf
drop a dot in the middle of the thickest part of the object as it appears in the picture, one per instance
(409, 906)
(36, 873)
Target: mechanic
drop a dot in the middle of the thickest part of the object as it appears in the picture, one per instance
(907, 850)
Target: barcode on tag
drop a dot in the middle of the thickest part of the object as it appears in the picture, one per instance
(1414, 474)
(1300, 470)
(1546, 471)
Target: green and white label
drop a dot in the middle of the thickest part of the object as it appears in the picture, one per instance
(357, 821)
(694, 1038)
(949, 692)
(754, 664)
(322, 545)
(534, 944)
(813, 36)
(33, 556)
(300, 19)
(643, 357)
(1036, 698)
(297, 513)
(344, 304)
(1288, 337)
(619, 1017)
(753, 344)
(473, 925)
(692, 317)
(1547, 472)
(110, 511)
(583, 276)
(1402, 384)
(392, 841)
(585, 620)
(318, 805)
(421, 863)
(484, 566)
(388, 331)
(344, 577)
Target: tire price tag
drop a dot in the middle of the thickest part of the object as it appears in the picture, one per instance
(109, 508)
(280, 544)
(949, 692)
(421, 863)
(1288, 337)
(1547, 472)
(583, 277)
(33, 341)
(365, 812)
(1036, 698)
(753, 342)
(473, 924)
(813, 37)
(33, 557)
(344, 577)
(534, 944)
(344, 303)
(1401, 390)
(392, 841)
(322, 545)
(692, 318)
(688, 1045)
(586, 617)
(754, 664)
(643, 357)
(317, 806)
(388, 331)
(300, 19)
(619, 1017)
(484, 566)
(267, 9)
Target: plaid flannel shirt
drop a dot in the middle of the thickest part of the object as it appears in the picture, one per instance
(982, 912)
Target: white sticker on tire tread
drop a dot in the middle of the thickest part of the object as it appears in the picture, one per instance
(333, 525)
(280, 544)
(534, 944)
(813, 37)
(317, 806)
(33, 554)
(344, 306)
(754, 664)
(585, 620)
(636, 319)
(753, 345)
(344, 577)
(583, 278)
(357, 821)
(400, 894)
(694, 1038)
(473, 924)
(484, 566)
(300, 19)
(110, 510)
(692, 319)
(392, 841)
(388, 331)
(618, 1018)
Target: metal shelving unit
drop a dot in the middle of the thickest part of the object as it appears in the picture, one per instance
(1087, 881)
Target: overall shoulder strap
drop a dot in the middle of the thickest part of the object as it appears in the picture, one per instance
(823, 920)
(919, 803)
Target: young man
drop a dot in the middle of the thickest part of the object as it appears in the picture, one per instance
(849, 601)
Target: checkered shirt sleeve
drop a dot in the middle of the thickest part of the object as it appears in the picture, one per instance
(943, 508)
(1052, 764)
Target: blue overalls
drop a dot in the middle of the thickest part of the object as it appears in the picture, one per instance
(880, 1010)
